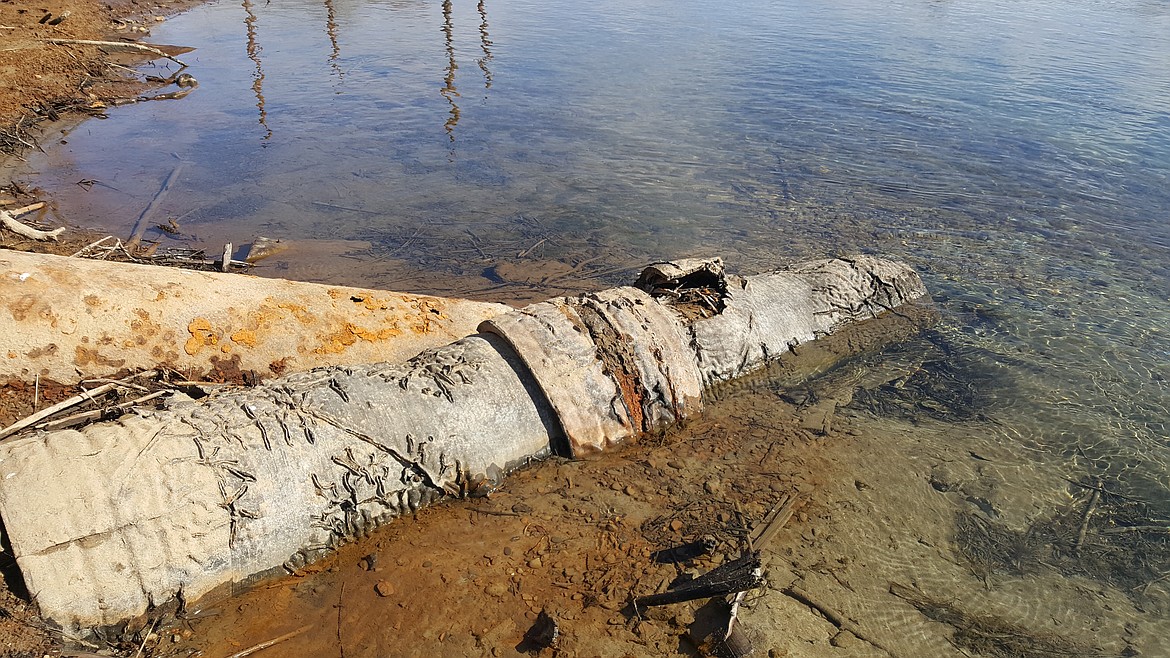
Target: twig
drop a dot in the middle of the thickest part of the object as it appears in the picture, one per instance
(10, 223)
(835, 618)
(27, 209)
(1093, 498)
(142, 223)
(274, 641)
(340, 603)
(529, 250)
(80, 398)
(95, 414)
(494, 512)
(115, 44)
(85, 396)
(90, 246)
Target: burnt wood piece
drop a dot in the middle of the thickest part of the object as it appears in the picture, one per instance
(736, 576)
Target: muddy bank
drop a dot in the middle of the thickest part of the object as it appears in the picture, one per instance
(45, 78)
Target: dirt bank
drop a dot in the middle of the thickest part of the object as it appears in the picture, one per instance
(42, 80)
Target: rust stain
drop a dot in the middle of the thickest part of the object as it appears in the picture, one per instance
(299, 312)
(349, 334)
(430, 312)
(201, 334)
(92, 300)
(21, 307)
(245, 337)
(85, 357)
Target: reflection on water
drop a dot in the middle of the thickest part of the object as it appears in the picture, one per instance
(258, 76)
(331, 30)
(485, 44)
(1016, 152)
(449, 91)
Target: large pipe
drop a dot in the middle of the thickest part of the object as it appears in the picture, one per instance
(67, 319)
(109, 520)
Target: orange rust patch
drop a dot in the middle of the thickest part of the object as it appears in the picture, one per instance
(201, 334)
(299, 312)
(349, 334)
(21, 307)
(85, 357)
(335, 293)
(92, 300)
(429, 313)
(245, 337)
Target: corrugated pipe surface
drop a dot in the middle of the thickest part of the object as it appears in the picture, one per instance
(108, 520)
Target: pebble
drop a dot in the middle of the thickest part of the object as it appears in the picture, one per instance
(676, 525)
(384, 588)
(676, 465)
(498, 590)
(427, 564)
(535, 563)
(712, 486)
(611, 558)
(631, 490)
(522, 508)
(507, 550)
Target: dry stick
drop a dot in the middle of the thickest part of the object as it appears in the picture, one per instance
(96, 413)
(264, 645)
(835, 618)
(1096, 495)
(116, 44)
(84, 396)
(141, 224)
(27, 209)
(24, 230)
(90, 246)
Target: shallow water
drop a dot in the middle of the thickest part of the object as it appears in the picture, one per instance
(1017, 153)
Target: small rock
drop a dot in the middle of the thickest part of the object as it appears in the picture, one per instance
(427, 564)
(676, 465)
(611, 558)
(498, 590)
(370, 562)
(535, 563)
(676, 525)
(522, 508)
(712, 486)
(631, 490)
(384, 588)
(507, 550)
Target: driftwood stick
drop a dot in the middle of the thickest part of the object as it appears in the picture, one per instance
(91, 245)
(115, 44)
(84, 396)
(27, 209)
(1093, 498)
(274, 641)
(9, 222)
(96, 414)
(144, 218)
(833, 616)
(773, 522)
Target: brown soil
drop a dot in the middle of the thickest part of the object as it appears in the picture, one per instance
(42, 81)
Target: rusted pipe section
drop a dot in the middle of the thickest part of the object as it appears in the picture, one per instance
(67, 319)
(108, 520)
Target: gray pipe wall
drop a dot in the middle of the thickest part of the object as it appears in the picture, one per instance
(111, 519)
